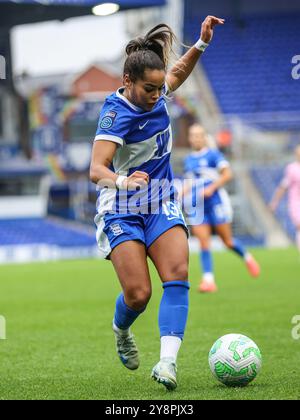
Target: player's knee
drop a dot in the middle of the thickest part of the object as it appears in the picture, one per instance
(228, 243)
(178, 271)
(205, 245)
(138, 299)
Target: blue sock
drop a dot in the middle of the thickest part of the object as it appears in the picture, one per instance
(238, 248)
(125, 316)
(174, 308)
(207, 261)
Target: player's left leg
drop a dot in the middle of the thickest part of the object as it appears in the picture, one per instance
(225, 233)
(170, 255)
(203, 234)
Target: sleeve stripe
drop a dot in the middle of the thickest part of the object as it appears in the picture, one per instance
(107, 137)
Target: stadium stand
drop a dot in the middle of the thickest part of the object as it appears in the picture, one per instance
(250, 69)
(42, 231)
(266, 180)
(27, 233)
(24, 240)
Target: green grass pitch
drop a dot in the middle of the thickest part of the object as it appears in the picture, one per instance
(60, 344)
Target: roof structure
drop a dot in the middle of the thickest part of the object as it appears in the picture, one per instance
(18, 12)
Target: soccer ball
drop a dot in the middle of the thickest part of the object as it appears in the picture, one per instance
(235, 360)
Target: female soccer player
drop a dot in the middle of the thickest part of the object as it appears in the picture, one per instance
(131, 149)
(213, 170)
(291, 183)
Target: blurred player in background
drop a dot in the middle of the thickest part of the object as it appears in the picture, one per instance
(132, 147)
(214, 172)
(291, 184)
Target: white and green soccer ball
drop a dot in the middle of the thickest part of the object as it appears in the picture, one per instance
(235, 360)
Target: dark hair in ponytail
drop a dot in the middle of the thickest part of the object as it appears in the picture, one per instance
(151, 52)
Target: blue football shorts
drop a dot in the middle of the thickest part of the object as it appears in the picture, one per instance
(114, 229)
(216, 211)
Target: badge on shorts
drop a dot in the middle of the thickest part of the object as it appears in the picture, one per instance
(108, 120)
(116, 230)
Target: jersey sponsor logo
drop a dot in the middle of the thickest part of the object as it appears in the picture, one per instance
(162, 142)
(108, 120)
(142, 126)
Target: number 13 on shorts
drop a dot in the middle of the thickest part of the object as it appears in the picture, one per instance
(172, 210)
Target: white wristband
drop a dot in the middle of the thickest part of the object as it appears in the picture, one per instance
(120, 182)
(201, 45)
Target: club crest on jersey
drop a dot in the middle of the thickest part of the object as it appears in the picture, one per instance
(116, 230)
(108, 120)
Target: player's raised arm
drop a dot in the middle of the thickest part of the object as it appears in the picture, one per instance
(184, 67)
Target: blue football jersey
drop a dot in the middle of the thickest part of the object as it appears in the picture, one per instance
(144, 140)
(205, 165)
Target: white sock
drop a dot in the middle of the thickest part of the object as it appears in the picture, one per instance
(119, 331)
(209, 278)
(248, 257)
(170, 347)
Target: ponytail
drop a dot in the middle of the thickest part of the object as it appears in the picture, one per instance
(150, 52)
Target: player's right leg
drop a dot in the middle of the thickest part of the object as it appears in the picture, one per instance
(121, 238)
(130, 263)
(203, 234)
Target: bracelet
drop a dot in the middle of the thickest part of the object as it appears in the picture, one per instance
(120, 182)
(201, 45)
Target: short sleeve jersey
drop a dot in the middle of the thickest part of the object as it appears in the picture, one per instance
(144, 139)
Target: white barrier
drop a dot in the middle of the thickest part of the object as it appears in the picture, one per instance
(20, 254)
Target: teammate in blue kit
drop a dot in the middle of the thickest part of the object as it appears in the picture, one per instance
(131, 151)
(213, 170)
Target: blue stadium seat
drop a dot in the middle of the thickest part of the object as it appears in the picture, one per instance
(42, 231)
(249, 65)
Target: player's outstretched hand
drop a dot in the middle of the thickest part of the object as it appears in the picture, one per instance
(208, 25)
(209, 191)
